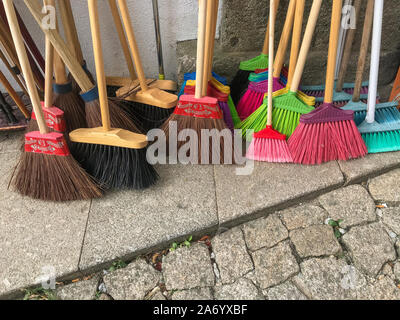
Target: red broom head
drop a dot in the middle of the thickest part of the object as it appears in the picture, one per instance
(269, 145)
(326, 134)
(206, 107)
(211, 92)
(50, 143)
(54, 118)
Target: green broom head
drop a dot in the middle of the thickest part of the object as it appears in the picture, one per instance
(381, 136)
(235, 116)
(287, 111)
(259, 62)
(257, 121)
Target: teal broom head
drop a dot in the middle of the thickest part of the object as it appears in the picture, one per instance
(381, 137)
(385, 112)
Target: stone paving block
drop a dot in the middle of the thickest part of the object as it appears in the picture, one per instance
(82, 290)
(274, 265)
(193, 294)
(391, 218)
(132, 282)
(123, 222)
(11, 141)
(315, 241)
(370, 247)
(270, 184)
(231, 255)
(360, 169)
(396, 270)
(303, 216)
(381, 289)
(329, 279)
(158, 297)
(386, 187)
(284, 291)
(264, 232)
(187, 268)
(242, 289)
(353, 204)
(36, 234)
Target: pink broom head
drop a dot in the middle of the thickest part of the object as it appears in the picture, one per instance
(270, 146)
(205, 107)
(254, 97)
(326, 134)
(54, 118)
(50, 143)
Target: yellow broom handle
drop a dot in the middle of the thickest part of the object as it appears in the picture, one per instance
(98, 57)
(271, 55)
(49, 68)
(122, 38)
(297, 28)
(333, 45)
(305, 46)
(26, 68)
(132, 43)
(283, 43)
(266, 40)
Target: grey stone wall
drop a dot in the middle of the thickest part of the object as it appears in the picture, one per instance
(243, 29)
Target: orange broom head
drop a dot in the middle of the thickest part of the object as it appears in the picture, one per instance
(326, 134)
(270, 146)
(54, 118)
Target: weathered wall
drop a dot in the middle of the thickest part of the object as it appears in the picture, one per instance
(243, 29)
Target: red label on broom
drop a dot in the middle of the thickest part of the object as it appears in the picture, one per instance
(50, 143)
(206, 107)
(54, 118)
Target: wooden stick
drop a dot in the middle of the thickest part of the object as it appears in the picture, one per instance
(200, 47)
(214, 32)
(49, 68)
(366, 36)
(207, 46)
(26, 68)
(271, 59)
(14, 96)
(333, 45)
(13, 73)
(266, 40)
(283, 43)
(347, 49)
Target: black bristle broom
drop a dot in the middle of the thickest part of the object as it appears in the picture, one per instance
(46, 169)
(116, 157)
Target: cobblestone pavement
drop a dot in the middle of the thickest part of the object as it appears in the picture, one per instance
(343, 245)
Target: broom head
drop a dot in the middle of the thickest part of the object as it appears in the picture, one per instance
(381, 137)
(54, 118)
(326, 134)
(259, 62)
(270, 146)
(384, 112)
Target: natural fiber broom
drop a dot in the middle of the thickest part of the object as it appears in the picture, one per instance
(116, 157)
(327, 133)
(46, 169)
(268, 144)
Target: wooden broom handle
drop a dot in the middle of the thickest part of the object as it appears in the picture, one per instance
(305, 46)
(271, 59)
(283, 43)
(14, 96)
(214, 31)
(26, 68)
(70, 31)
(347, 49)
(207, 46)
(200, 47)
(333, 45)
(296, 36)
(62, 49)
(133, 44)
(122, 38)
(99, 61)
(49, 68)
(16, 77)
(366, 36)
(266, 40)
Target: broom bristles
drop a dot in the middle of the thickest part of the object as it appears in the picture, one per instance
(386, 141)
(239, 85)
(53, 178)
(74, 110)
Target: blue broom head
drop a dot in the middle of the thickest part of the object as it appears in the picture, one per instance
(341, 96)
(381, 136)
(384, 112)
(346, 85)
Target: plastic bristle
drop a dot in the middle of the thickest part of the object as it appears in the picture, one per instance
(269, 150)
(227, 114)
(259, 62)
(386, 141)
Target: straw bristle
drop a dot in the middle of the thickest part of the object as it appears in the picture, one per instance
(53, 178)
(327, 141)
(118, 116)
(115, 167)
(74, 110)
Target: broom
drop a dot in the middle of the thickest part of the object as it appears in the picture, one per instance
(254, 95)
(379, 136)
(119, 118)
(152, 105)
(241, 80)
(46, 169)
(327, 133)
(116, 157)
(288, 107)
(72, 38)
(268, 144)
(11, 121)
(201, 114)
